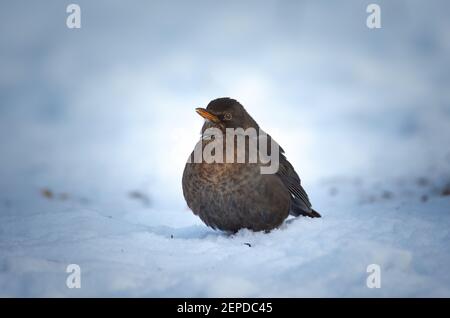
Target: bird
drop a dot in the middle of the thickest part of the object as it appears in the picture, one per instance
(230, 196)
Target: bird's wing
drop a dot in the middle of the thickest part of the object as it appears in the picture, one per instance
(292, 181)
(300, 204)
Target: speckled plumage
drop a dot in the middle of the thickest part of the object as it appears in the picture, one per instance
(233, 196)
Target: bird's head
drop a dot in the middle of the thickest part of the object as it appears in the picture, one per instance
(225, 113)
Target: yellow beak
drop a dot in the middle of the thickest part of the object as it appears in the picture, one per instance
(207, 115)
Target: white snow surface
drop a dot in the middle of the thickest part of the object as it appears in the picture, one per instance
(143, 251)
(96, 125)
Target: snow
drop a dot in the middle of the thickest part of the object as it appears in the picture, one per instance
(136, 255)
(96, 125)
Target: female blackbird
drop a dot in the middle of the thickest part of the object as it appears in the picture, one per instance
(230, 196)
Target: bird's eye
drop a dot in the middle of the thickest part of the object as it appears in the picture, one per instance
(227, 116)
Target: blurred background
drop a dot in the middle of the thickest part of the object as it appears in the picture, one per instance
(111, 105)
(97, 123)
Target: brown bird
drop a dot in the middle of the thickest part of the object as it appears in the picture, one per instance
(233, 196)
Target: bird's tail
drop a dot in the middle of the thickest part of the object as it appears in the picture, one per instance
(315, 214)
(296, 211)
(312, 214)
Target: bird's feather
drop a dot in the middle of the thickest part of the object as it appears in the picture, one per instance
(300, 204)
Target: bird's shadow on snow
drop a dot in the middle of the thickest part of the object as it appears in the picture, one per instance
(188, 232)
(203, 232)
